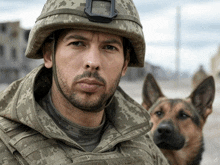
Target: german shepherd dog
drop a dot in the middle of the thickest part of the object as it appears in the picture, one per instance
(178, 123)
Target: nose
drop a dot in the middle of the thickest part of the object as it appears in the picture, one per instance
(93, 60)
(165, 129)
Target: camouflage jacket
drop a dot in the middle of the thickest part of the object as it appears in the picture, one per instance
(29, 135)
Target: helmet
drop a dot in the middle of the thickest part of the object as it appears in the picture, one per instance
(118, 17)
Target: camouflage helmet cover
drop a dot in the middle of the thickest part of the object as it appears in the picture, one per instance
(61, 14)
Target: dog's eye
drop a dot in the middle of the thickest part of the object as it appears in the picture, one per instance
(182, 115)
(159, 113)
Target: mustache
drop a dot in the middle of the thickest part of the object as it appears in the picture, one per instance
(89, 74)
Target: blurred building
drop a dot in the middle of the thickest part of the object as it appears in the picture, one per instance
(13, 42)
(134, 74)
(198, 77)
(158, 72)
(215, 62)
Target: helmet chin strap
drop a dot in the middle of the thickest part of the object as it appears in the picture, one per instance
(56, 78)
(54, 67)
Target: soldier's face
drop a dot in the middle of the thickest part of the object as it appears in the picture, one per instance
(89, 67)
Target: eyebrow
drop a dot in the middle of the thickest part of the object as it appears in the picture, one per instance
(110, 41)
(75, 37)
(113, 41)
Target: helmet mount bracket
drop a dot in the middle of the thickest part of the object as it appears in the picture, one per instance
(98, 17)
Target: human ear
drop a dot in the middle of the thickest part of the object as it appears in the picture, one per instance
(47, 55)
(126, 62)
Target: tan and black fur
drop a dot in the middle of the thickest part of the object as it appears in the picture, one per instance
(178, 123)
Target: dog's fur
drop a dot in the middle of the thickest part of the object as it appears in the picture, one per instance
(178, 123)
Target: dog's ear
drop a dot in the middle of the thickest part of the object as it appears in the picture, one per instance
(150, 92)
(203, 96)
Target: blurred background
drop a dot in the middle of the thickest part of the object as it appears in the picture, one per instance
(182, 39)
(181, 36)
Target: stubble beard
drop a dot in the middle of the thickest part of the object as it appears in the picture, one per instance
(96, 105)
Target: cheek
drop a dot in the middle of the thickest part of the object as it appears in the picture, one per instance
(113, 80)
(189, 129)
(68, 68)
(113, 69)
(155, 122)
(114, 64)
(65, 57)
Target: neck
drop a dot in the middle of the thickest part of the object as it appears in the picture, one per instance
(77, 116)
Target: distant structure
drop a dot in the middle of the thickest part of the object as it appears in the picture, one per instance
(215, 65)
(198, 77)
(13, 42)
(158, 72)
(133, 74)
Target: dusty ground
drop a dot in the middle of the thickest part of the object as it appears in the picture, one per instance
(211, 156)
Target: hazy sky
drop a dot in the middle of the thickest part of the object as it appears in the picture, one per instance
(200, 28)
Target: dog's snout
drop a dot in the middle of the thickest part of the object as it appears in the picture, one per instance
(165, 129)
(166, 136)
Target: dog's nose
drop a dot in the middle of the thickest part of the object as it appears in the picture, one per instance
(165, 129)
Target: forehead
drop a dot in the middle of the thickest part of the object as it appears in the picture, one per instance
(89, 34)
(172, 105)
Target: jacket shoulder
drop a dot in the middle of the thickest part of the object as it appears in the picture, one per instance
(146, 148)
(6, 157)
(6, 152)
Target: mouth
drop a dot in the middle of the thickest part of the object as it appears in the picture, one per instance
(174, 144)
(90, 85)
(167, 146)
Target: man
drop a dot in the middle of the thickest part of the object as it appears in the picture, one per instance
(70, 110)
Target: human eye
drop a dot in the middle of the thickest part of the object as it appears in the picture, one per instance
(77, 43)
(110, 47)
